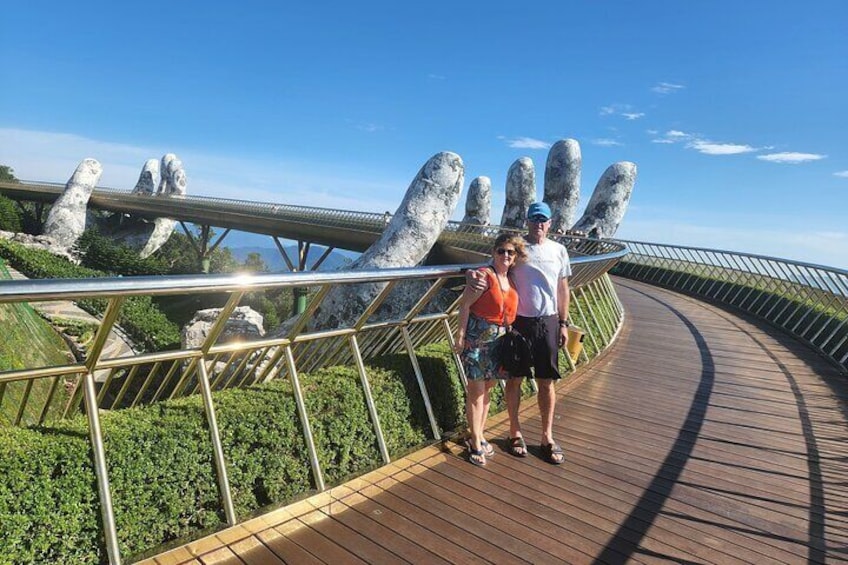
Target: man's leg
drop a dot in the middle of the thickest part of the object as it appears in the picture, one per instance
(512, 393)
(547, 408)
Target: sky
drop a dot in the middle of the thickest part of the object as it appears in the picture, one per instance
(734, 112)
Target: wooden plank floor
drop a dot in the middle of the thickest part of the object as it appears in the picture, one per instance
(701, 437)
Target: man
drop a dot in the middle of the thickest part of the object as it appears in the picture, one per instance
(543, 299)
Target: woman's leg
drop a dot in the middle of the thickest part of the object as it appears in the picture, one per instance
(486, 403)
(473, 409)
(474, 406)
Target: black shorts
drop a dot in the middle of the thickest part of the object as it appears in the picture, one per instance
(543, 336)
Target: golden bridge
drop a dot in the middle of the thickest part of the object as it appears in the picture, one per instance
(705, 420)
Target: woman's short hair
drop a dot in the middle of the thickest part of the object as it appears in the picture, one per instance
(516, 241)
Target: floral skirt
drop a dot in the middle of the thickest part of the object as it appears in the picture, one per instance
(480, 357)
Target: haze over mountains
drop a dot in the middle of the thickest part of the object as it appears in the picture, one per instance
(276, 264)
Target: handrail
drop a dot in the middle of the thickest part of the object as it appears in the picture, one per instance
(806, 300)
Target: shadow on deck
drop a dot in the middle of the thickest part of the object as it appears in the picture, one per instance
(701, 437)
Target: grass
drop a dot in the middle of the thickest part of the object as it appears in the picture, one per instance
(28, 341)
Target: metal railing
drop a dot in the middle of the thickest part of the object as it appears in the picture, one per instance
(805, 300)
(132, 380)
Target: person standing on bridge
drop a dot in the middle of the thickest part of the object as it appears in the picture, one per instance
(543, 300)
(484, 316)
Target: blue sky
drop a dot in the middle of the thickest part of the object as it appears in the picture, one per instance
(734, 112)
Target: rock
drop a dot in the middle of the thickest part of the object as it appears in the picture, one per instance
(44, 242)
(609, 201)
(244, 322)
(66, 220)
(520, 193)
(426, 208)
(562, 183)
(478, 202)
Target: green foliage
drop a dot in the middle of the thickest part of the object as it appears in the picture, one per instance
(441, 380)
(149, 328)
(179, 255)
(254, 263)
(11, 218)
(48, 497)
(104, 254)
(26, 340)
(161, 465)
(7, 174)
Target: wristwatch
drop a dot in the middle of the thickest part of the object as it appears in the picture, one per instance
(564, 323)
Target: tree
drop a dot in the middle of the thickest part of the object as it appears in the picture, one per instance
(7, 174)
(254, 263)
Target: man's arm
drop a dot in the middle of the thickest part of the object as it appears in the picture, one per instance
(477, 279)
(563, 302)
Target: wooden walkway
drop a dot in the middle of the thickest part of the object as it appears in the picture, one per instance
(701, 437)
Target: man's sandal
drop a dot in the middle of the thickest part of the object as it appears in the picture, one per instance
(517, 447)
(552, 453)
(476, 457)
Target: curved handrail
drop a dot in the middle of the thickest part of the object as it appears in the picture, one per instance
(806, 300)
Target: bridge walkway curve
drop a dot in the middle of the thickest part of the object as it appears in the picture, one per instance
(700, 437)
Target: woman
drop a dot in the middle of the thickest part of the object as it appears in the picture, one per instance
(483, 317)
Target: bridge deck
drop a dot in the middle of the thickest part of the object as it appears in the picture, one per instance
(700, 438)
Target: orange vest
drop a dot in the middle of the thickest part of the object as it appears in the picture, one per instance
(495, 305)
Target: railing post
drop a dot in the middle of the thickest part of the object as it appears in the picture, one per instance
(96, 434)
(218, 448)
(420, 377)
(369, 399)
(304, 420)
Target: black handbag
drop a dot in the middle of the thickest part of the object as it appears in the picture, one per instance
(515, 353)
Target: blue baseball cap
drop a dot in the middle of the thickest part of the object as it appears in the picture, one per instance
(539, 211)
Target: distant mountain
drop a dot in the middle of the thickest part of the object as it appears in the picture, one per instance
(276, 264)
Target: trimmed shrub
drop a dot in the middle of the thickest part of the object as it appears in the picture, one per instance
(11, 218)
(101, 253)
(161, 468)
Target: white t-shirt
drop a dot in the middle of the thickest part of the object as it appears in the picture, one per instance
(537, 279)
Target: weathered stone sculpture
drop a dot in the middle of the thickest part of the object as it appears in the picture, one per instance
(609, 201)
(66, 220)
(146, 236)
(173, 180)
(416, 225)
(562, 183)
(520, 193)
(478, 202)
(146, 184)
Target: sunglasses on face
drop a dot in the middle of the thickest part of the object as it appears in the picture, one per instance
(502, 251)
(538, 219)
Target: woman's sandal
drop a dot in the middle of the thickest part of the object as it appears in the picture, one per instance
(517, 447)
(476, 457)
(552, 453)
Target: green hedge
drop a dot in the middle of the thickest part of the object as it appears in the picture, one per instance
(101, 253)
(11, 218)
(149, 328)
(161, 464)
